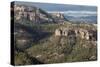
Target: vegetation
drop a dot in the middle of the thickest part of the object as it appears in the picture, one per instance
(35, 41)
(54, 49)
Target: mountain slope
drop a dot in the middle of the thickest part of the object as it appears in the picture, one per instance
(35, 15)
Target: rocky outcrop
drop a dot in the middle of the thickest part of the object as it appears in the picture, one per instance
(59, 17)
(82, 33)
(58, 32)
(37, 15)
(61, 32)
(33, 14)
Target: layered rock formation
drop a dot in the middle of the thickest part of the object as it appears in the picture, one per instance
(33, 14)
(36, 15)
(82, 33)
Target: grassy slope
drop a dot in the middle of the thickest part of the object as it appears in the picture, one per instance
(53, 49)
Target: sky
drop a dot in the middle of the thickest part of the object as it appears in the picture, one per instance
(59, 7)
(80, 2)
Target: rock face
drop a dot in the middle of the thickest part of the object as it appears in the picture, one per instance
(36, 15)
(33, 14)
(58, 17)
(61, 32)
(82, 33)
(58, 32)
